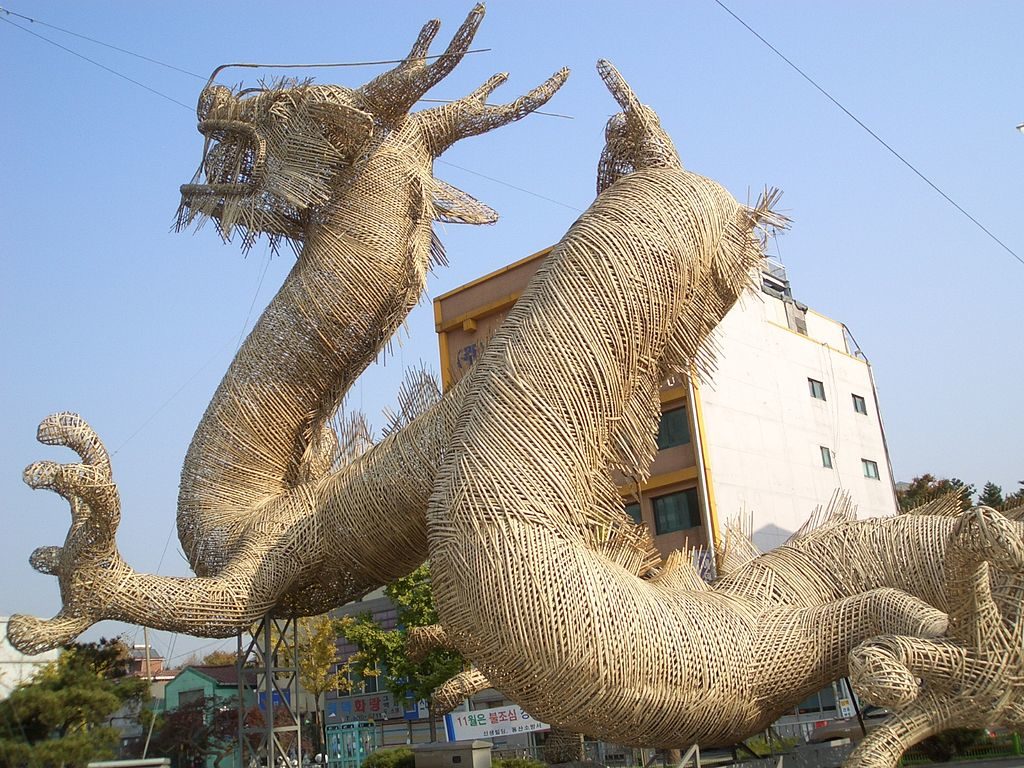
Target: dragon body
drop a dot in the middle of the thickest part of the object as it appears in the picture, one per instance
(267, 499)
(507, 482)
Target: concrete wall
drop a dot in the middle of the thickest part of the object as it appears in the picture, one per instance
(15, 666)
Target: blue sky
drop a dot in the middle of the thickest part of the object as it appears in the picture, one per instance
(107, 312)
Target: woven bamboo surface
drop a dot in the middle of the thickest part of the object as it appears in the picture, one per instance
(540, 579)
(266, 502)
(566, 391)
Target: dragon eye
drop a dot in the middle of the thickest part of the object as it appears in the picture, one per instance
(211, 99)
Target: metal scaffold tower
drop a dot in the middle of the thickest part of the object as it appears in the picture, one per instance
(269, 657)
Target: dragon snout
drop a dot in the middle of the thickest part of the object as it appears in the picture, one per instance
(234, 159)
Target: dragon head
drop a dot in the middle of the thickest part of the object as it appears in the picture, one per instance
(273, 155)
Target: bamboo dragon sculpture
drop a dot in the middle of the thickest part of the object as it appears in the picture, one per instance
(510, 474)
(346, 177)
(520, 522)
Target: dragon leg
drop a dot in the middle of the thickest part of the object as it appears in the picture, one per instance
(885, 669)
(929, 714)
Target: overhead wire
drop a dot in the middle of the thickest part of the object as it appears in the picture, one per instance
(291, 66)
(94, 62)
(510, 186)
(874, 135)
(154, 91)
(100, 42)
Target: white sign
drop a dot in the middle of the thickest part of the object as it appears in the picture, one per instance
(488, 723)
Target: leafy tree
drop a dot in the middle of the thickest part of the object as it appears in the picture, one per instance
(219, 659)
(991, 496)
(197, 730)
(318, 673)
(397, 757)
(382, 652)
(60, 717)
(927, 487)
(1015, 499)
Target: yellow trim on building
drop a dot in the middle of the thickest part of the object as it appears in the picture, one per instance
(660, 481)
(508, 268)
(709, 484)
(474, 314)
(819, 342)
(442, 345)
(673, 393)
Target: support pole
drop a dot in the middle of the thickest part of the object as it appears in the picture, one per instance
(271, 656)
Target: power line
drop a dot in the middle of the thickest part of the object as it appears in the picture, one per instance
(321, 65)
(295, 66)
(317, 65)
(511, 186)
(100, 42)
(185, 71)
(874, 135)
(93, 61)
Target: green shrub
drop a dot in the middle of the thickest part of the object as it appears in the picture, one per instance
(398, 757)
(956, 742)
(517, 762)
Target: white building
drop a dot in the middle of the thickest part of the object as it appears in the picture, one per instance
(789, 416)
(15, 666)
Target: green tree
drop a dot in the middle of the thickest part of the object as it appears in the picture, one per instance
(60, 717)
(927, 487)
(318, 668)
(382, 651)
(1015, 499)
(218, 659)
(991, 496)
(197, 730)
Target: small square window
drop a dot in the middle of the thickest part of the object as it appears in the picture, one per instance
(633, 510)
(870, 468)
(826, 457)
(676, 511)
(673, 429)
(817, 389)
(859, 405)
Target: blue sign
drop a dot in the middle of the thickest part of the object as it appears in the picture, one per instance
(418, 710)
(275, 698)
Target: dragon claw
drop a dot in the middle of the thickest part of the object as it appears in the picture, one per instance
(72, 431)
(39, 475)
(89, 550)
(47, 560)
(988, 531)
(881, 678)
(32, 635)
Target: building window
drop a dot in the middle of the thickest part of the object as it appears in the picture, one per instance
(824, 701)
(633, 510)
(364, 683)
(676, 511)
(673, 429)
(193, 696)
(859, 405)
(817, 389)
(826, 457)
(870, 468)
